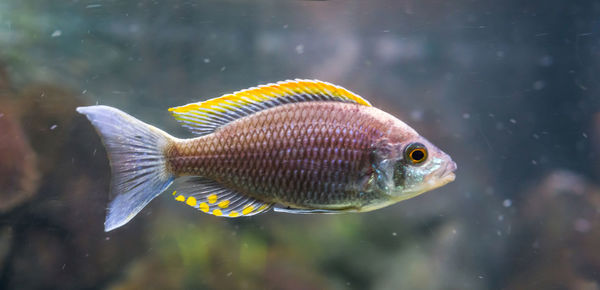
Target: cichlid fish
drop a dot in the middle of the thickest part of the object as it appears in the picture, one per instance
(299, 146)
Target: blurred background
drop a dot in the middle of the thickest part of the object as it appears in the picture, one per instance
(510, 89)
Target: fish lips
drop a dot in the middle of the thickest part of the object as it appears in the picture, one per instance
(447, 174)
(440, 177)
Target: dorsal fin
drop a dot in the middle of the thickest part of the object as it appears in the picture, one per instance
(205, 117)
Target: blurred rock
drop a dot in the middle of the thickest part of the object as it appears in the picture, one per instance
(54, 177)
(5, 245)
(280, 274)
(18, 170)
(47, 114)
(6, 87)
(434, 264)
(555, 245)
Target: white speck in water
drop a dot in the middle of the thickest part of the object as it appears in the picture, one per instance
(584, 135)
(454, 231)
(500, 218)
(512, 120)
(507, 203)
(499, 126)
(207, 60)
(299, 49)
(416, 115)
(93, 6)
(1, 115)
(534, 162)
(498, 233)
(229, 274)
(500, 53)
(285, 26)
(83, 92)
(63, 266)
(53, 127)
(466, 116)
(223, 68)
(535, 136)
(538, 85)
(480, 277)
(582, 225)
(546, 60)
(107, 238)
(56, 33)
(394, 234)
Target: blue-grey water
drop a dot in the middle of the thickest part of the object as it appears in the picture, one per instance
(510, 89)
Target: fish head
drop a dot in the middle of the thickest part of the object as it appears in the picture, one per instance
(410, 166)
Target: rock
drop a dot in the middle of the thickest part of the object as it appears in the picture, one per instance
(558, 234)
(18, 170)
(54, 177)
(6, 235)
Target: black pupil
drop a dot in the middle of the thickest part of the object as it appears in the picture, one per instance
(417, 155)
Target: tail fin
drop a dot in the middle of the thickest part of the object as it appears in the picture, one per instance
(136, 154)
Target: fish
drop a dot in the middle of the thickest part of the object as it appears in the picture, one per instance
(294, 146)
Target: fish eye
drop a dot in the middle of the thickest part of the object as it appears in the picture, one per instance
(415, 153)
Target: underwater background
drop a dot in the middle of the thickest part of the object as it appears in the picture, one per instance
(510, 89)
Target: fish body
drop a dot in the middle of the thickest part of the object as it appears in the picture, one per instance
(297, 146)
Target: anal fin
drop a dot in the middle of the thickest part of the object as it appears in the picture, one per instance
(211, 197)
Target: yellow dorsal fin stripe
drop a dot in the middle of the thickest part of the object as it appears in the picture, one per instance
(275, 90)
(205, 117)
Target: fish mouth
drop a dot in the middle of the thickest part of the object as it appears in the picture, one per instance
(435, 180)
(447, 175)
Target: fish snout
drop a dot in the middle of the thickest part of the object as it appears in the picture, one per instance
(451, 167)
(447, 173)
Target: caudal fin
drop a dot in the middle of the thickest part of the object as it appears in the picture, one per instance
(136, 154)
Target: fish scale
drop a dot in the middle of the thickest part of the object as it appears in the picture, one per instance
(316, 147)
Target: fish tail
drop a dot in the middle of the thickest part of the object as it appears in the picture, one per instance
(137, 160)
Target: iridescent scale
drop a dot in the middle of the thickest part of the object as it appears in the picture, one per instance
(302, 155)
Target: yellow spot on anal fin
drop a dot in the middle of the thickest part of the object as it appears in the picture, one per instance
(217, 212)
(224, 204)
(191, 201)
(180, 198)
(204, 207)
(247, 209)
(262, 207)
(234, 214)
(174, 192)
(212, 198)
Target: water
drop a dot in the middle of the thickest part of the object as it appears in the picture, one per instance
(509, 89)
